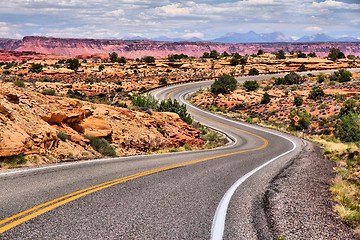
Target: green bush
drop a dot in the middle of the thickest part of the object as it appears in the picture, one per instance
(304, 121)
(148, 59)
(73, 64)
(101, 67)
(347, 128)
(302, 68)
(224, 84)
(290, 79)
(49, 91)
(102, 146)
(335, 54)
(298, 101)
(341, 76)
(144, 100)
(175, 107)
(63, 136)
(35, 67)
(316, 93)
(321, 77)
(251, 85)
(163, 81)
(253, 72)
(265, 98)
(349, 106)
(19, 83)
(234, 61)
(280, 54)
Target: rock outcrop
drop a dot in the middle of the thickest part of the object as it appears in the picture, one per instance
(134, 49)
(30, 123)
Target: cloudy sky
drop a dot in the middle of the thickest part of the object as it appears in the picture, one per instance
(206, 19)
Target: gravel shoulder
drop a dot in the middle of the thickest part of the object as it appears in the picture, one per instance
(298, 202)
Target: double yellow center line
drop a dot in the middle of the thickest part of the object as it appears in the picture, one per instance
(33, 212)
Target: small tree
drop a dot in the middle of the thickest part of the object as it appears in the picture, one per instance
(101, 67)
(121, 60)
(35, 68)
(335, 54)
(341, 76)
(349, 106)
(316, 93)
(251, 85)
(260, 52)
(301, 54)
(253, 72)
(298, 101)
(206, 55)
(347, 128)
(214, 54)
(311, 54)
(113, 57)
(234, 61)
(148, 59)
(321, 77)
(301, 68)
(224, 84)
(162, 81)
(280, 54)
(73, 64)
(265, 98)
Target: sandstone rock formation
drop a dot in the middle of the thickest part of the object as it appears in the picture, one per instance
(30, 123)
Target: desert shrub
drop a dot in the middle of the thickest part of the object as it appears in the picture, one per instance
(267, 88)
(349, 106)
(176, 57)
(311, 54)
(301, 54)
(162, 81)
(301, 68)
(260, 52)
(63, 136)
(121, 60)
(234, 61)
(341, 76)
(290, 79)
(253, 72)
(335, 54)
(49, 91)
(102, 146)
(19, 83)
(144, 100)
(148, 59)
(113, 57)
(280, 54)
(316, 93)
(101, 67)
(174, 106)
(73, 64)
(251, 85)
(7, 72)
(304, 120)
(298, 101)
(321, 77)
(265, 98)
(35, 67)
(224, 84)
(347, 128)
(76, 94)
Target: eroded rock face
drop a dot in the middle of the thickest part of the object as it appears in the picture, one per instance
(134, 49)
(30, 125)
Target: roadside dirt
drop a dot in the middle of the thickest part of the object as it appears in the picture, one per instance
(298, 202)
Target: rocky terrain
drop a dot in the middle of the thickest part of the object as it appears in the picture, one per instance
(30, 124)
(135, 49)
(246, 105)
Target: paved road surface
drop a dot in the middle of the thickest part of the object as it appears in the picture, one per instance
(169, 196)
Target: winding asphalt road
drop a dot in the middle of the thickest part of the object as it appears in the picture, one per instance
(210, 194)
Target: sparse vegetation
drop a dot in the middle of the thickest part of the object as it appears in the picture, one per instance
(19, 83)
(251, 85)
(265, 98)
(63, 136)
(253, 72)
(49, 91)
(316, 93)
(35, 68)
(224, 84)
(298, 101)
(335, 54)
(341, 76)
(102, 146)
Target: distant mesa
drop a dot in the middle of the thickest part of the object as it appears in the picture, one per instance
(136, 47)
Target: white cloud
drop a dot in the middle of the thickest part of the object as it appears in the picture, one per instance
(116, 13)
(332, 4)
(313, 29)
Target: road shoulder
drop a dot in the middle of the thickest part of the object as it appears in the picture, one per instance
(298, 201)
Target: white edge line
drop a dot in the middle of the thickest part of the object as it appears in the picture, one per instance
(218, 224)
